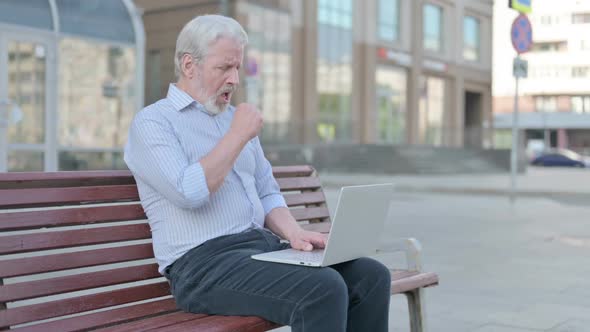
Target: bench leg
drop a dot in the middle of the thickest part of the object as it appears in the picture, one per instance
(416, 309)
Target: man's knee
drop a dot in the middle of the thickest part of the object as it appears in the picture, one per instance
(378, 274)
(324, 302)
(330, 285)
(325, 290)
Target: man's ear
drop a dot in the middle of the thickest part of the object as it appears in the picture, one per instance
(187, 65)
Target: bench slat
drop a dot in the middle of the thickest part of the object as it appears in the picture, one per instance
(322, 227)
(35, 312)
(292, 171)
(72, 283)
(55, 240)
(155, 323)
(10, 180)
(299, 183)
(68, 217)
(222, 323)
(310, 213)
(106, 318)
(11, 198)
(57, 262)
(305, 199)
(22, 180)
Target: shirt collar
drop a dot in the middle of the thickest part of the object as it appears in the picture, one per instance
(180, 99)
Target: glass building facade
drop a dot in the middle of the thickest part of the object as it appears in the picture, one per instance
(431, 111)
(71, 80)
(348, 71)
(268, 69)
(334, 70)
(321, 72)
(391, 105)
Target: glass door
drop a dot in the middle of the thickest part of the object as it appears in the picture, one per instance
(24, 99)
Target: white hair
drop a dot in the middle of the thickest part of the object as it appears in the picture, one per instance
(202, 31)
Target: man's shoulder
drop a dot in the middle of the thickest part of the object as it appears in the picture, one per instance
(155, 111)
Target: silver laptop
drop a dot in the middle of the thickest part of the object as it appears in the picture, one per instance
(360, 215)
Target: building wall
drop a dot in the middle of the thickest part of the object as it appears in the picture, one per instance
(558, 70)
(331, 77)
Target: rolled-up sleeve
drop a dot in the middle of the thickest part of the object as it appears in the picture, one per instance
(154, 154)
(268, 189)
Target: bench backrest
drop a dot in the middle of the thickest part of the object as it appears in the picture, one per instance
(74, 242)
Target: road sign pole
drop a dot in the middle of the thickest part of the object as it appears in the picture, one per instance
(522, 39)
(514, 151)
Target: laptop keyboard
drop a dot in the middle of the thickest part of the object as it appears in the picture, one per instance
(314, 256)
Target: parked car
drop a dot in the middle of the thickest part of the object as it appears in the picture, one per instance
(561, 157)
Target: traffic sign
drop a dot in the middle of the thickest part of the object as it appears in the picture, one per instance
(523, 6)
(520, 68)
(522, 34)
(251, 66)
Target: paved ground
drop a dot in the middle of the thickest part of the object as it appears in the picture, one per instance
(504, 266)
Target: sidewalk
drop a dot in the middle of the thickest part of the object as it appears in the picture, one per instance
(536, 182)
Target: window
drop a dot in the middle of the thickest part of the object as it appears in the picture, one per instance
(334, 71)
(107, 20)
(471, 38)
(26, 69)
(388, 22)
(580, 18)
(268, 70)
(433, 26)
(546, 104)
(546, 20)
(431, 110)
(33, 13)
(580, 71)
(96, 94)
(558, 46)
(548, 71)
(581, 104)
(391, 105)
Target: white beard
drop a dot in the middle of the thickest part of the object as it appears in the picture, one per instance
(212, 108)
(210, 104)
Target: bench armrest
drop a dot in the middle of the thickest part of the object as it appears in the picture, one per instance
(411, 247)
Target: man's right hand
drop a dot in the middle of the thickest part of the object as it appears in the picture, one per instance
(247, 122)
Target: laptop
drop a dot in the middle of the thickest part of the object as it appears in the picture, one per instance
(358, 221)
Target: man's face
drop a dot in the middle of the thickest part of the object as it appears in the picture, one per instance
(217, 75)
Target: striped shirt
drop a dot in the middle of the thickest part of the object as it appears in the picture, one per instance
(166, 143)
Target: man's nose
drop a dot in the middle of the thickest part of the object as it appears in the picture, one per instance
(234, 77)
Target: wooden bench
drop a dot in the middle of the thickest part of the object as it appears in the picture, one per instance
(76, 255)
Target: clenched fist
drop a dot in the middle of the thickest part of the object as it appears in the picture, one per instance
(247, 121)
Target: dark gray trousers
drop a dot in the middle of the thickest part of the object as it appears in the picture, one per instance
(219, 277)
